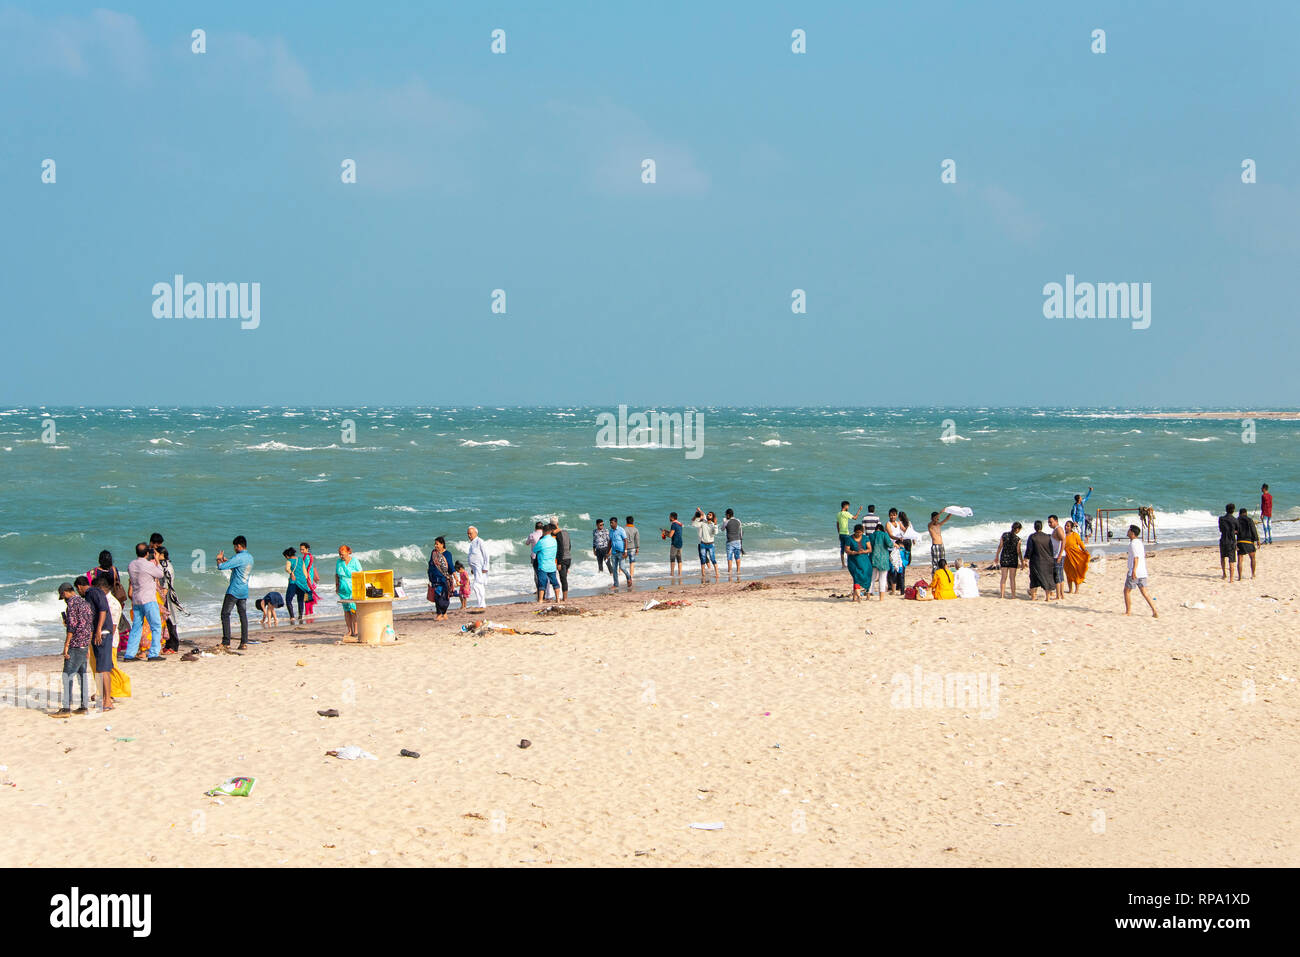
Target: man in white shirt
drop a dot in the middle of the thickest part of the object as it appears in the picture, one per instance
(965, 582)
(478, 569)
(1137, 571)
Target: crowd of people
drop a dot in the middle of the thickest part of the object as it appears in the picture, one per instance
(107, 622)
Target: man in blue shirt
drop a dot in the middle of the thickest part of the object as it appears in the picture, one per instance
(618, 553)
(1079, 515)
(240, 566)
(544, 553)
(674, 533)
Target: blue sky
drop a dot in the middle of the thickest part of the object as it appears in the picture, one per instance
(775, 171)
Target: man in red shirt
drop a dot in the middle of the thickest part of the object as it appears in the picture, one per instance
(1266, 512)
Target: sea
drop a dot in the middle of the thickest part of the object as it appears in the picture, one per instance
(387, 481)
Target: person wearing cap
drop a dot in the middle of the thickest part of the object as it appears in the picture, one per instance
(79, 622)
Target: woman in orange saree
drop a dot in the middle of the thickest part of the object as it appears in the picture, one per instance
(1076, 558)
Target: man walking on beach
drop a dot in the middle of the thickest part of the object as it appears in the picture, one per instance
(843, 522)
(600, 544)
(1228, 529)
(937, 553)
(144, 574)
(563, 555)
(240, 566)
(478, 569)
(1266, 512)
(1136, 576)
(1058, 555)
(1079, 514)
(632, 544)
(735, 536)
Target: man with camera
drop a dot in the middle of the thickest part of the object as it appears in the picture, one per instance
(144, 573)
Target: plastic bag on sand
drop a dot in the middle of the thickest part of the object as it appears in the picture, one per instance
(351, 753)
(234, 787)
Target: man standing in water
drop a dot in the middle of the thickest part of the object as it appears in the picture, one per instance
(632, 543)
(1228, 529)
(1266, 512)
(735, 536)
(1079, 514)
(1137, 571)
(240, 566)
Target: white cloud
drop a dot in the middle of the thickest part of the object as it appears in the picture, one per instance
(81, 47)
(610, 143)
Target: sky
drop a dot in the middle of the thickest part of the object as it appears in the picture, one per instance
(775, 171)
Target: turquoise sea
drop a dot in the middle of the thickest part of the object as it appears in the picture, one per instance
(79, 480)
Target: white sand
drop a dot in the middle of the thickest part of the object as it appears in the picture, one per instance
(1116, 741)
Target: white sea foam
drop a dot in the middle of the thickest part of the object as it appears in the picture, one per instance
(1212, 438)
(395, 508)
(775, 442)
(470, 443)
(21, 619)
(566, 463)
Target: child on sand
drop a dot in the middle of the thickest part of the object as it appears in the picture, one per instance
(462, 588)
(267, 605)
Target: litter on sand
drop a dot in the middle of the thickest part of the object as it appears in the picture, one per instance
(483, 627)
(233, 787)
(707, 826)
(653, 605)
(756, 586)
(409, 754)
(350, 753)
(561, 610)
(329, 713)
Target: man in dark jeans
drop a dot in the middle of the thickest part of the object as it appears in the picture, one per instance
(240, 566)
(563, 557)
(600, 544)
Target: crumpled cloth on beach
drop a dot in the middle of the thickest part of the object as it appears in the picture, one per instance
(351, 753)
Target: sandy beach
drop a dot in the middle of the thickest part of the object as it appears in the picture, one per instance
(782, 713)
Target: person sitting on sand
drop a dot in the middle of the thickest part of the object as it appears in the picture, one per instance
(1076, 558)
(942, 583)
(267, 605)
(857, 559)
(965, 580)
